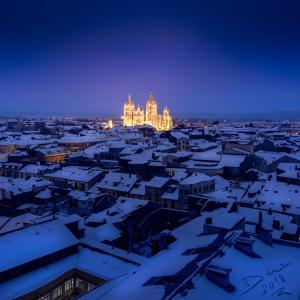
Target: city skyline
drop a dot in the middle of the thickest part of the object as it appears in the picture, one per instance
(76, 59)
(149, 149)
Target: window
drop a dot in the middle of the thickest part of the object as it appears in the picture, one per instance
(57, 292)
(69, 285)
(90, 286)
(79, 283)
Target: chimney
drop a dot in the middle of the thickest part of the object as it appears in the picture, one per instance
(220, 276)
(245, 245)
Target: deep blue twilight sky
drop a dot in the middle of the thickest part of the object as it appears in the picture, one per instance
(84, 57)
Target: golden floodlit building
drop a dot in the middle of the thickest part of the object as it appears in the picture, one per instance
(138, 116)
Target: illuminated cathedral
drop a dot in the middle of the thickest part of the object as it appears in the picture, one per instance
(138, 116)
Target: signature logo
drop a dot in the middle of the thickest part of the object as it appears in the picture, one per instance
(273, 283)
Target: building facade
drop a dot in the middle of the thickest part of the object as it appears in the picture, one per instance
(138, 116)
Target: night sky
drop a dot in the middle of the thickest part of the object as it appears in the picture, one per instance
(84, 57)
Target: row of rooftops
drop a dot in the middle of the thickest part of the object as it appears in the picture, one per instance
(216, 252)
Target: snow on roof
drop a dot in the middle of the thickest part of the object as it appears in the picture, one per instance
(18, 222)
(179, 175)
(232, 160)
(201, 165)
(288, 166)
(156, 164)
(117, 252)
(275, 193)
(179, 135)
(51, 149)
(220, 182)
(180, 154)
(118, 211)
(23, 220)
(254, 278)
(27, 139)
(252, 216)
(27, 205)
(131, 135)
(16, 186)
(102, 265)
(226, 220)
(37, 168)
(293, 174)
(74, 139)
(118, 181)
(139, 188)
(227, 193)
(107, 230)
(202, 144)
(140, 158)
(270, 157)
(172, 194)
(210, 155)
(76, 173)
(167, 262)
(98, 264)
(166, 147)
(45, 194)
(104, 232)
(157, 181)
(226, 160)
(35, 241)
(95, 149)
(195, 178)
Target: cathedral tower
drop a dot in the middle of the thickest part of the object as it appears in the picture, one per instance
(133, 117)
(128, 112)
(151, 111)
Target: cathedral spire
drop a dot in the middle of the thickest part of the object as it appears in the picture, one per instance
(129, 101)
(151, 98)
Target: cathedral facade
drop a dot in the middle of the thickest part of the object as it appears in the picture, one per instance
(138, 116)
